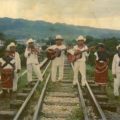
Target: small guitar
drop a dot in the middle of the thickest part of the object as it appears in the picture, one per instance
(77, 54)
(53, 53)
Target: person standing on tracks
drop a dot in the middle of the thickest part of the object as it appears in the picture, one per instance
(16, 56)
(101, 66)
(57, 62)
(7, 67)
(116, 71)
(31, 54)
(80, 63)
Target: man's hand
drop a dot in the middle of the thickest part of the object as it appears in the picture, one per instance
(29, 54)
(114, 75)
(77, 52)
(18, 70)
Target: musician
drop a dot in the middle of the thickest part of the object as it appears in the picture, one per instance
(79, 64)
(116, 71)
(31, 54)
(58, 61)
(101, 66)
(7, 67)
(16, 56)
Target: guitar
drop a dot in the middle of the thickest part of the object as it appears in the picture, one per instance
(53, 53)
(72, 57)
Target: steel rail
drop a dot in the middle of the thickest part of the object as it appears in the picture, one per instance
(17, 116)
(99, 109)
(81, 98)
(40, 101)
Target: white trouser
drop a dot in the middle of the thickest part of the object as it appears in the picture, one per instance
(54, 71)
(117, 84)
(36, 68)
(79, 66)
(15, 81)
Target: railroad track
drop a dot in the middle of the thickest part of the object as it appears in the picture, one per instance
(59, 100)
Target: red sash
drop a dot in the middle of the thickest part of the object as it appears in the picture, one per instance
(7, 76)
(101, 72)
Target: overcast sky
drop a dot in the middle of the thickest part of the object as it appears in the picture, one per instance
(95, 13)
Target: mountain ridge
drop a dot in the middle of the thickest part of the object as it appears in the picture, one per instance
(39, 29)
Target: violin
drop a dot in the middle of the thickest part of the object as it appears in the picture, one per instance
(33, 50)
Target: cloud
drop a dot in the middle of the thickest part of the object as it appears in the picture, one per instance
(97, 13)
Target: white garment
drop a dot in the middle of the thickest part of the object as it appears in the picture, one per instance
(32, 65)
(58, 62)
(115, 64)
(17, 67)
(36, 69)
(17, 61)
(31, 57)
(116, 71)
(80, 66)
(96, 55)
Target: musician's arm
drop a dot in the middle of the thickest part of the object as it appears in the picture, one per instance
(50, 49)
(76, 52)
(37, 51)
(65, 50)
(18, 63)
(27, 53)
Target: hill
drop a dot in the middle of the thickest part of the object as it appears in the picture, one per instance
(21, 28)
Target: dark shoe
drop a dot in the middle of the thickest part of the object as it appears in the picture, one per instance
(116, 97)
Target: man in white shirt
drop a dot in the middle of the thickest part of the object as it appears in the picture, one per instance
(116, 71)
(80, 63)
(31, 54)
(16, 56)
(57, 62)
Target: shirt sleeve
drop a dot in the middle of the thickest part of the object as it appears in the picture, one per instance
(96, 55)
(74, 48)
(18, 61)
(114, 65)
(64, 47)
(26, 52)
(86, 53)
(50, 47)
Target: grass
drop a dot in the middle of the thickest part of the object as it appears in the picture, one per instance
(77, 114)
(22, 81)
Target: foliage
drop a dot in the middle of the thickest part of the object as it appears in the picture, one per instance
(77, 114)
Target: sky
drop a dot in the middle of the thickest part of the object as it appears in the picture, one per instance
(93, 13)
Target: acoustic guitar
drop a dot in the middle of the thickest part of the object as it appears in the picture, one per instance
(77, 54)
(53, 53)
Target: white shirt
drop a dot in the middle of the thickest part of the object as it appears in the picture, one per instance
(115, 64)
(8, 66)
(58, 60)
(84, 54)
(32, 58)
(17, 61)
(96, 55)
